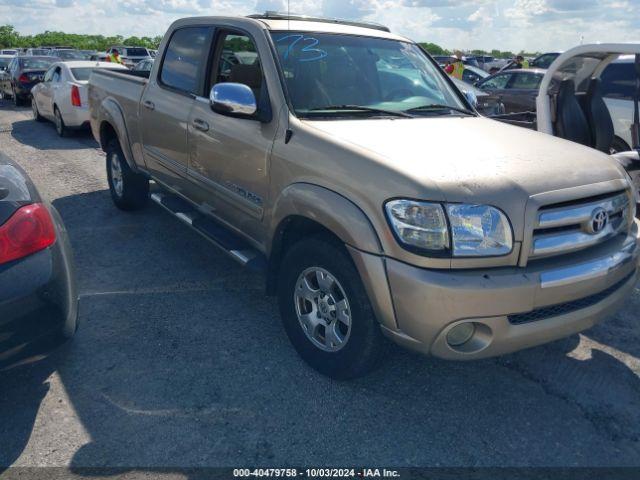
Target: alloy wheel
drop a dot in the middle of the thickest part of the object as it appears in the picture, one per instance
(116, 175)
(323, 309)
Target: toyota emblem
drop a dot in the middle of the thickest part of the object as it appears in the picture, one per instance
(599, 220)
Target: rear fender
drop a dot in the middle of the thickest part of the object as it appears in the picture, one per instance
(111, 114)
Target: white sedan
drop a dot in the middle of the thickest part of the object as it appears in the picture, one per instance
(62, 96)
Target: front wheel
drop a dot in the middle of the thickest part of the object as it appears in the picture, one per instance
(325, 309)
(129, 190)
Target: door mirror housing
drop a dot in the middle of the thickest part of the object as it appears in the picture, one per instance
(233, 99)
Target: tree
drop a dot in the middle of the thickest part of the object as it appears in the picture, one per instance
(8, 36)
(434, 49)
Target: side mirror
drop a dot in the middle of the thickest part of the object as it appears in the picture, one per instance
(233, 99)
(471, 98)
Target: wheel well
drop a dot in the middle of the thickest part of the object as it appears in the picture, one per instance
(107, 133)
(291, 230)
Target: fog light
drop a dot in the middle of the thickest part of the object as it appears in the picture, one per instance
(460, 334)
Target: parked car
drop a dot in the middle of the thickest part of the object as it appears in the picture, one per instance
(98, 57)
(4, 62)
(333, 174)
(153, 53)
(619, 90)
(8, 51)
(144, 65)
(22, 74)
(69, 55)
(37, 52)
(473, 75)
(87, 54)
(484, 102)
(544, 61)
(130, 56)
(517, 89)
(62, 96)
(38, 297)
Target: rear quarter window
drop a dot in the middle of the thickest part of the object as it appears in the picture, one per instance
(619, 81)
(183, 59)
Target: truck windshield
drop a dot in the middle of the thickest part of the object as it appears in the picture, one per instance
(327, 73)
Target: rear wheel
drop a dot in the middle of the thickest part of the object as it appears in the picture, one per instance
(325, 309)
(17, 100)
(129, 190)
(61, 128)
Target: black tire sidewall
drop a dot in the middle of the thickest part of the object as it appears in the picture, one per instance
(135, 187)
(63, 130)
(361, 352)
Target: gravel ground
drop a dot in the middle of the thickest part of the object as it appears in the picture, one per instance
(182, 361)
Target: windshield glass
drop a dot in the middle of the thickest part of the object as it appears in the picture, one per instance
(327, 70)
(38, 63)
(69, 55)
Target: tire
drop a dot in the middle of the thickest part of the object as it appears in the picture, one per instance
(17, 100)
(61, 128)
(34, 110)
(357, 348)
(129, 190)
(618, 145)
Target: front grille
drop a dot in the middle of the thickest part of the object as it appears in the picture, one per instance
(569, 227)
(568, 307)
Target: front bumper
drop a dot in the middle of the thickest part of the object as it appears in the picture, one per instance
(511, 308)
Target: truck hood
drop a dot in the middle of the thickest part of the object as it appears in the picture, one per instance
(473, 157)
(472, 160)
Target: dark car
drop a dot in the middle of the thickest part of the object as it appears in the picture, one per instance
(22, 75)
(38, 299)
(517, 89)
(544, 60)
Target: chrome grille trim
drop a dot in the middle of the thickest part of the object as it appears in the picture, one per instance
(577, 214)
(564, 229)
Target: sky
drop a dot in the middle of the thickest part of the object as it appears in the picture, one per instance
(515, 25)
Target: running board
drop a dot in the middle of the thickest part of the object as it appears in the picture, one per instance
(222, 237)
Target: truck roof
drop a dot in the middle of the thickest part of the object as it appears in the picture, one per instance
(281, 22)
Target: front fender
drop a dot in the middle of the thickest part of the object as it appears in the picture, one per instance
(331, 210)
(111, 113)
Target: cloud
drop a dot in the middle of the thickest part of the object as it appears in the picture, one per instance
(531, 25)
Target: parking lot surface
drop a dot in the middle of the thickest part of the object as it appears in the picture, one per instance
(181, 361)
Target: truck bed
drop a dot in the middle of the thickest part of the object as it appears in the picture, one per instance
(124, 88)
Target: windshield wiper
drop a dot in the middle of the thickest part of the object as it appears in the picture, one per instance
(438, 106)
(395, 113)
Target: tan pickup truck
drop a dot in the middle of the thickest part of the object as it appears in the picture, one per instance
(338, 159)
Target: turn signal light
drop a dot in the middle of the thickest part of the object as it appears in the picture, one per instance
(29, 230)
(75, 96)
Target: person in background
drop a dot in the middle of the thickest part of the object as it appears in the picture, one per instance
(521, 62)
(456, 68)
(114, 57)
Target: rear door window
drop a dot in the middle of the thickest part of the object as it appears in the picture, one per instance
(619, 81)
(184, 58)
(525, 81)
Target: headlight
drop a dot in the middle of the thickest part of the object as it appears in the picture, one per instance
(419, 225)
(479, 231)
(476, 230)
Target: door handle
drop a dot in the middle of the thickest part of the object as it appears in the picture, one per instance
(200, 124)
(149, 105)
